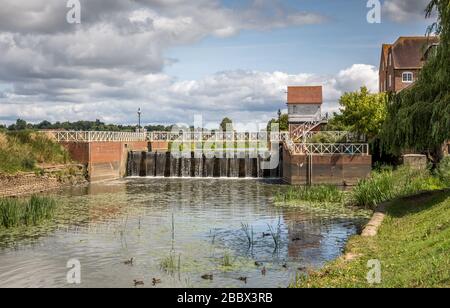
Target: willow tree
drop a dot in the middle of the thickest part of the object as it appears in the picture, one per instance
(419, 117)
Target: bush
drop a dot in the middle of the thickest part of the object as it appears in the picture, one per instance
(443, 171)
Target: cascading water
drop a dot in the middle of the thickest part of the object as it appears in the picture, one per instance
(234, 165)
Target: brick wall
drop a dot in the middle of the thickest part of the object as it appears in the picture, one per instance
(340, 169)
(105, 160)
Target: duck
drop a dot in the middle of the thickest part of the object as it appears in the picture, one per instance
(244, 279)
(258, 263)
(138, 283)
(285, 265)
(129, 262)
(156, 281)
(208, 277)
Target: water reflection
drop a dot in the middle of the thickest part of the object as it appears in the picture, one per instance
(196, 221)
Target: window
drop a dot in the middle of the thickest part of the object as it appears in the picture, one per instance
(390, 81)
(407, 77)
(295, 109)
(390, 59)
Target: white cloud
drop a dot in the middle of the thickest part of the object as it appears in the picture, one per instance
(405, 10)
(112, 62)
(245, 96)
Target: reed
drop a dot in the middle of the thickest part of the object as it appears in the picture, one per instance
(388, 184)
(169, 264)
(227, 260)
(26, 212)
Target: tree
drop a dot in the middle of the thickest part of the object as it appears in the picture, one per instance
(20, 125)
(226, 122)
(419, 117)
(283, 122)
(361, 112)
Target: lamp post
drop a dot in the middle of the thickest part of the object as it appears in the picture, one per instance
(139, 120)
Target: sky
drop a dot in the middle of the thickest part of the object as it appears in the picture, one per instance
(177, 59)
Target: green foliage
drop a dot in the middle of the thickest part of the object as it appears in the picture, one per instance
(21, 150)
(226, 124)
(361, 112)
(96, 125)
(28, 212)
(283, 123)
(443, 171)
(320, 193)
(419, 117)
(387, 184)
(412, 246)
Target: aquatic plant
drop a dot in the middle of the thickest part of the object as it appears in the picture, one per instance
(28, 212)
(248, 233)
(170, 264)
(275, 233)
(227, 260)
(319, 193)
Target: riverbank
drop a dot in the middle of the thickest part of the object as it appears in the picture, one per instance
(47, 178)
(412, 246)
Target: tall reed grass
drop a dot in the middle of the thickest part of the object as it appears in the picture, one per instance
(28, 212)
(388, 184)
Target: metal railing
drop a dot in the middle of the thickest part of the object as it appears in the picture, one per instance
(336, 136)
(217, 136)
(328, 148)
(82, 136)
(96, 136)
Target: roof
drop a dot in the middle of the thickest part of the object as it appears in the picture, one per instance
(408, 52)
(385, 51)
(305, 95)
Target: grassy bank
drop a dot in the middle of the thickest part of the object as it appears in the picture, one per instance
(383, 185)
(25, 212)
(412, 246)
(21, 151)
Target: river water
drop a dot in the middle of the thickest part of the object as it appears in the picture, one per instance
(197, 225)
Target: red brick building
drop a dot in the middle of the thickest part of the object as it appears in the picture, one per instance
(402, 61)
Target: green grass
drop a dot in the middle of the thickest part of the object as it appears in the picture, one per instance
(413, 247)
(319, 193)
(20, 151)
(25, 212)
(388, 184)
(170, 264)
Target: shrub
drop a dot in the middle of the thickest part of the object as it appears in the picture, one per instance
(443, 171)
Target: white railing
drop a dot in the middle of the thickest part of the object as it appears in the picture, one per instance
(94, 136)
(328, 148)
(336, 136)
(217, 136)
(82, 136)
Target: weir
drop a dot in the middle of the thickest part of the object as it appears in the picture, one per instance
(194, 165)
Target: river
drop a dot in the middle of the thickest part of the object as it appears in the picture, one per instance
(177, 231)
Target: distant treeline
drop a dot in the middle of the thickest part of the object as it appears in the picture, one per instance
(80, 126)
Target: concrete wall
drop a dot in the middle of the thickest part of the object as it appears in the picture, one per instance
(341, 169)
(104, 160)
